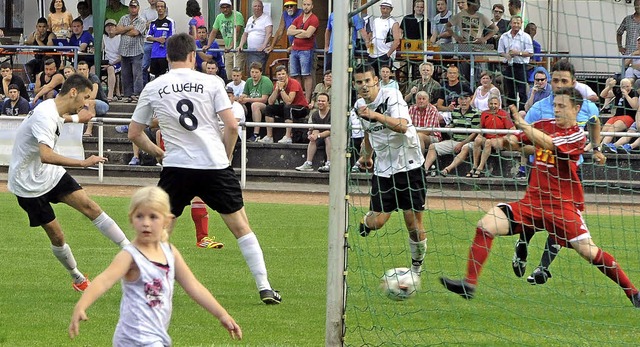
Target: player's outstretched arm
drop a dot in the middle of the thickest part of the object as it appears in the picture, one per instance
(202, 296)
(48, 156)
(116, 270)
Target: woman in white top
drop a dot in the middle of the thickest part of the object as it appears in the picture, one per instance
(480, 99)
(385, 78)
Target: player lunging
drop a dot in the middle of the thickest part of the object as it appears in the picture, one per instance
(554, 199)
(196, 160)
(37, 178)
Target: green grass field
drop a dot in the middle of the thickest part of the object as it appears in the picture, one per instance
(579, 306)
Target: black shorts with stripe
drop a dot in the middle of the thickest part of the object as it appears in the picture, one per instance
(39, 208)
(402, 191)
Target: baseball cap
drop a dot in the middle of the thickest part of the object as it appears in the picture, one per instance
(229, 89)
(386, 3)
(225, 2)
(638, 38)
(290, 2)
(134, 3)
(110, 22)
(464, 94)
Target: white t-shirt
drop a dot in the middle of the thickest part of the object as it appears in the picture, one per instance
(395, 152)
(584, 90)
(186, 103)
(380, 28)
(256, 30)
(111, 47)
(87, 22)
(237, 89)
(28, 176)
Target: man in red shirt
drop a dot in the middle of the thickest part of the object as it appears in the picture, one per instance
(286, 101)
(554, 199)
(303, 29)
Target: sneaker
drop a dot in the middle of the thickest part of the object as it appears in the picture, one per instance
(609, 148)
(266, 139)
(459, 287)
(134, 161)
(635, 300)
(325, 168)
(82, 286)
(209, 243)
(355, 168)
(305, 167)
(518, 264)
(364, 230)
(253, 138)
(539, 276)
(122, 129)
(285, 140)
(624, 149)
(270, 297)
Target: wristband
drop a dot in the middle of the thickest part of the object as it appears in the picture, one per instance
(597, 149)
(75, 118)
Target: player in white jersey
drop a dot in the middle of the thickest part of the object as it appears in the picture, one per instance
(398, 176)
(196, 161)
(37, 178)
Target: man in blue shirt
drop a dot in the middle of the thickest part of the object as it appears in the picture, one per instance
(15, 104)
(541, 87)
(358, 25)
(83, 39)
(562, 75)
(159, 31)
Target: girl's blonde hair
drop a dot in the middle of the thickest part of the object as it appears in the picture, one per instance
(156, 199)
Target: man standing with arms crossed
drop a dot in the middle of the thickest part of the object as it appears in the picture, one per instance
(196, 156)
(301, 60)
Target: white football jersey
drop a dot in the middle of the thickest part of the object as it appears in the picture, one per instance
(395, 152)
(28, 176)
(186, 103)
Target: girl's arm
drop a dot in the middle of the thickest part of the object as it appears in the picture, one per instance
(118, 268)
(202, 296)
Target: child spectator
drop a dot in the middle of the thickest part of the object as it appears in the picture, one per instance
(148, 268)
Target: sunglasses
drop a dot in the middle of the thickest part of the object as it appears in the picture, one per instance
(540, 79)
(289, 6)
(497, 11)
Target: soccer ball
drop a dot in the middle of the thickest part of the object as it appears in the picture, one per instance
(399, 284)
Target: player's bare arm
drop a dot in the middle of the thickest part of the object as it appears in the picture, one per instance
(366, 153)
(48, 156)
(398, 125)
(230, 135)
(137, 136)
(537, 137)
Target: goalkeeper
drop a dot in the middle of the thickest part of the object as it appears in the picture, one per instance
(398, 175)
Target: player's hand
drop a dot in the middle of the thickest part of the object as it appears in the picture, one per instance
(366, 113)
(93, 160)
(366, 163)
(621, 50)
(599, 158)
(234, 329)
(74, 326)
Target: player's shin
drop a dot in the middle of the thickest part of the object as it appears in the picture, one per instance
(608, 265)
(478, 254)
(418, 251)
(110, 229)
(252, 253)
(66, 258)
(200, 219)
